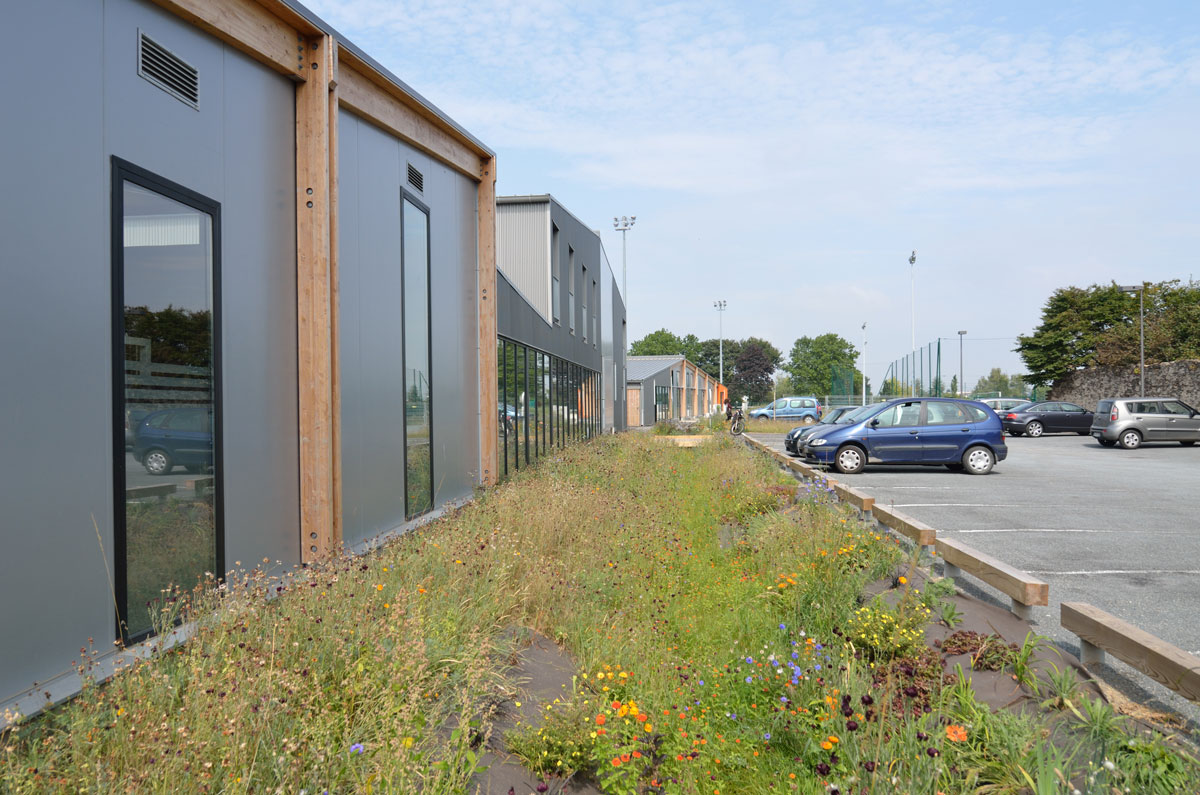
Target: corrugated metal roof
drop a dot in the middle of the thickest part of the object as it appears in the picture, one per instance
(639, 368)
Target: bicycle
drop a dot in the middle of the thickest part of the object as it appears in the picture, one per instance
(738, 423)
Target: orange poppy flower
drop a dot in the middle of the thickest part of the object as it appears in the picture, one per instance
(956, 734)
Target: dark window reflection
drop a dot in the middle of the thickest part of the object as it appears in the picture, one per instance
(170, 530)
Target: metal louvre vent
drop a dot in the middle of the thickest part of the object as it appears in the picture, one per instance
(168, 71)
(415, 178)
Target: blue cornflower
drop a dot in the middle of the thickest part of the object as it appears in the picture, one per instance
(749, 679)
(783, 699)
(767, 736)
(818, 647)
(357, 748)
(750, 660)
(702, 683)
(783, 626)
(817, 667)
(795, 655)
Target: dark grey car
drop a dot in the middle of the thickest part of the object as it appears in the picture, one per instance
(1130, 422)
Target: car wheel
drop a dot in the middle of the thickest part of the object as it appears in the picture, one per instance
(978, 460)
(1188, 443)
(157, 462)
(1034, 429)
(850, 460)
(1131, 440)
(1107, 442)
(809, 420)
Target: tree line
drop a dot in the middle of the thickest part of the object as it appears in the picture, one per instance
(1098, 325)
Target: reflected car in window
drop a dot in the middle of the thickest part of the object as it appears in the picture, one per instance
(1035, 419)
(961, 435)
(175, 437)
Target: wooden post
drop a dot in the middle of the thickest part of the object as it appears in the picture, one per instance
(489, 421)
(314, 307)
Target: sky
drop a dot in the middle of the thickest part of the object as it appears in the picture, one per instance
(787, 157)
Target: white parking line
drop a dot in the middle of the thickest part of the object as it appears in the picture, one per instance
(1036, 530)
(1119, 571)
(960, 505)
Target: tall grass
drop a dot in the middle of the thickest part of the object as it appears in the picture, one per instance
(701, 592)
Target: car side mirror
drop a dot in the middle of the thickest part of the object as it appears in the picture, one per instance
(875, 423)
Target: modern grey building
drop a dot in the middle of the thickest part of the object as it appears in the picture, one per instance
(661, 388)
(250, 306)
(561, 331)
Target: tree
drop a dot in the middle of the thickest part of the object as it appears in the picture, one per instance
(812, 362)
(891, 388)
(657, 343)
(954, 385)
(1100, 325)
(1004, 385)
(753, 369)
(177, 336)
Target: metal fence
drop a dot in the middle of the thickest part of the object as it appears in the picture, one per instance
(917, 373)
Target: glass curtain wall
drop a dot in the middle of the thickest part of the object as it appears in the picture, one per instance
(544, 402)
(166, 402)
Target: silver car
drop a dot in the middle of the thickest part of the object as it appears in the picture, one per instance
(1132, 421)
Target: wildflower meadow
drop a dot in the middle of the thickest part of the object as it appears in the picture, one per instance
(714, 611)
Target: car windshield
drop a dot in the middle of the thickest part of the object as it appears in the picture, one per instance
(860, 413)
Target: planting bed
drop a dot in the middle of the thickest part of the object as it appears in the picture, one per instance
(628, 617)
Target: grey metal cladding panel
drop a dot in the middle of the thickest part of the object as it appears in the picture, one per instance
(147, 126)
(451, 199)
(523, 251)
(55, 392)
(517, 320)
(372, 337)
(258, 293)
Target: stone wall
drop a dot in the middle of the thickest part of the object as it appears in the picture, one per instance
(1179, 379)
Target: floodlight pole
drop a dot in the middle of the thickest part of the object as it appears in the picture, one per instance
(912, 274)
(961, 384)
(864, 364)
(720, 307)
(622, 225)
(1141, 291)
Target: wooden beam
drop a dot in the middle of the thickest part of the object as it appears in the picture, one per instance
(489, 419)
(314, 308)
(335, 392)
(252, 28)
(1025, 588)
(1162, 662)
(368, 94)
(919, 532)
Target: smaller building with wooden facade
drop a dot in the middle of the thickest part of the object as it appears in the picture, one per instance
(661, 388)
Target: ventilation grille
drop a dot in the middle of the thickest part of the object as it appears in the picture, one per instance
(415, 178)
(168, 71)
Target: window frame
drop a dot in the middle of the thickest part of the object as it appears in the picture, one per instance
(409, 196)
(123, 171)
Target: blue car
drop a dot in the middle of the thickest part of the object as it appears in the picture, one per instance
(960, 434)
(180, 436)
(801, 409)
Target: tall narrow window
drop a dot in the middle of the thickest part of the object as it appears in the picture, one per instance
(583, 294)
(510, 378)
(418, 395)
(555, 267)
(596, 316)
(166, 265)
(571, 289)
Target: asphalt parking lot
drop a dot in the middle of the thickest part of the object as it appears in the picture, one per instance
(1119, 529)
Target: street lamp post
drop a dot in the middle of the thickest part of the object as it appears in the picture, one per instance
(962, 386)
(622, 225)
(912, 275)
(864, 364)
(1141, 291)
(720, 307)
